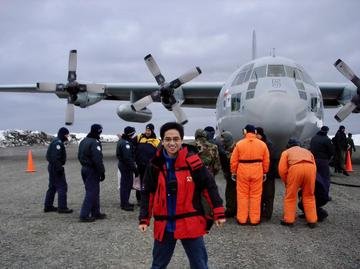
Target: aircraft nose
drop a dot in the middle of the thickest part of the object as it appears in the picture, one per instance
(279, 117)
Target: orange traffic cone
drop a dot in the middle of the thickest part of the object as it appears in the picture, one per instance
(348, 162)
(30, 164)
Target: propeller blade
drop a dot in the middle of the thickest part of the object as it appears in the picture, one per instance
(46, 86)
(189, 75)
(154, 69)
(345, 111)
(179, 113)
(142, 103)
(69, 114)
(95, 88)
(347, 72)
(72, 65)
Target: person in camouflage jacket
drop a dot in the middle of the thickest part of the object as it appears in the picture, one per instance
(208, 152)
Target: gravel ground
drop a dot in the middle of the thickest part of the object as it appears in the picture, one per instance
(30, 238)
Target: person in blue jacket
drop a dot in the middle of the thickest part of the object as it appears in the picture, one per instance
(92, 172)
(56, 156)
(125, 153)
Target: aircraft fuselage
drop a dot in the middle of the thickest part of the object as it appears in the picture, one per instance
(274, 93)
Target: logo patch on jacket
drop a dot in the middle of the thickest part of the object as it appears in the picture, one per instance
(127, 146)
(98, 148)
(58, 147)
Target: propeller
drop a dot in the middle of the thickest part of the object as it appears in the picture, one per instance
(355, 101)
(72, 87)
(165, 93)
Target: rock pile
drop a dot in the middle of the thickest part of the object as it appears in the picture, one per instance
(16, 138)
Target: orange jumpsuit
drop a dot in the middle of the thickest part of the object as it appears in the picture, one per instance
(297, 169)
(249, 161)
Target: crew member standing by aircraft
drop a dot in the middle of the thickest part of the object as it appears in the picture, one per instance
(208, 152)
(56, 156)
(125, 153)
(249, 164)
(92, 172)
(145, 148)
(340, 143)
(297, 170)
(174, 183)
(226, 146)
(322, 149)
(268, 192)
(350, 143)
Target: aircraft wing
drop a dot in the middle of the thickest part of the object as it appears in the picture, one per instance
(30, 88)
(335, 94)
(200, 94)
(195, 94)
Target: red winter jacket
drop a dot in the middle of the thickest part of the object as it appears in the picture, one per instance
(189, 217)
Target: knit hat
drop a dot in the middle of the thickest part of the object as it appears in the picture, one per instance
(62, 132)
(200, 133)
(150, 126)
(129, 130)
(96, 129)
(324, 129)
(250, 128)
(209, 129)
(292, 143)
(227, 138)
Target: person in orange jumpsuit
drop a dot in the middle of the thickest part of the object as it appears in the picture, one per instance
(297, 169)
(249, 163)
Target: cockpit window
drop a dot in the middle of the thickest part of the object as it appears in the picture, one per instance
(259, 72)
(307, 79)
(294, 73)
(239, 79)
(243, 75)
(277, 70)
(290, 71)
(298, 74)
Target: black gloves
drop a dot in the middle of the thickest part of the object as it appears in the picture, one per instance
(102, 177)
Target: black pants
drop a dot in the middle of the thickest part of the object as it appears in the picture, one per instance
(230, 196)
(57, 184)
(267, 197)
(268, 192)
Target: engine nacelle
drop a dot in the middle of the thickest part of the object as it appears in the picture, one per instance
(126, 113)
(85, 99)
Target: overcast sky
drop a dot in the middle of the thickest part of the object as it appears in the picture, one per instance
(112, 37)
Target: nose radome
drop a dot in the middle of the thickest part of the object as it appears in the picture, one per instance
(279, 117)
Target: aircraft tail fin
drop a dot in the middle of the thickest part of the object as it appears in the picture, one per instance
(254, 56)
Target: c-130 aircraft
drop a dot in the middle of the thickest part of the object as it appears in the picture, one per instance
(272, 92)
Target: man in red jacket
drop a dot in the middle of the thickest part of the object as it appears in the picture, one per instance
(174, 183)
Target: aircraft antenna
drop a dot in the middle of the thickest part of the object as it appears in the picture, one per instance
(254, 45)
(273, 52)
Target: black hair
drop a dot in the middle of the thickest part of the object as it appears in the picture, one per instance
(172, 125)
